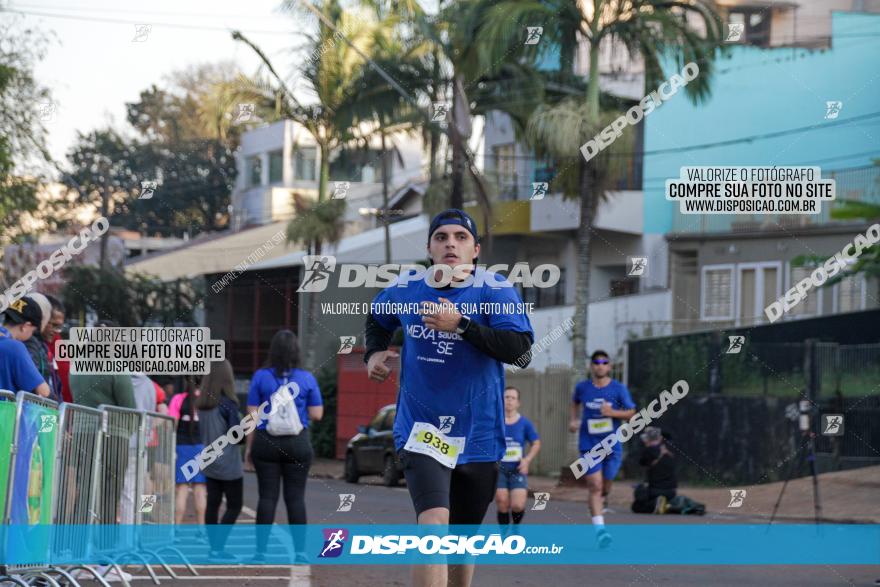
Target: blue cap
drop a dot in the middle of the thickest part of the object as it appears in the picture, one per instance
(454, 216)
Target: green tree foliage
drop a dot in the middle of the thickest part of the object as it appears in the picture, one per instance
(130, 300)
(184, 141)
(868, 262)
(22, 135)
(665, 35)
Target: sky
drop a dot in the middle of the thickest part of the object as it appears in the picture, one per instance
(97, 60)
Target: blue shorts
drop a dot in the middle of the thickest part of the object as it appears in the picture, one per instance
(187, 452)
(609, 466)
(510, 478)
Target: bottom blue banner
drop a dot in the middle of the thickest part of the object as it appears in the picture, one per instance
(680, 544)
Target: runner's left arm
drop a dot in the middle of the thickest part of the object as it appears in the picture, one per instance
(508, 337)
(624, 401)
(507, 346)
(314, 401)
(534, 441)
(534, 447)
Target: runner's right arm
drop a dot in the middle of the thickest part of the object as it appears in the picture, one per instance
(378, 330)
(575, 421)
(376, 337)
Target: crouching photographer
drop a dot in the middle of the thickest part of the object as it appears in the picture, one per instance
(654, 495)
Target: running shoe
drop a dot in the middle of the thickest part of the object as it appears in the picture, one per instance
(603, 538)
(661, 505)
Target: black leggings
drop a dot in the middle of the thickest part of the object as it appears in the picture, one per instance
(234, 491)
(278, 458)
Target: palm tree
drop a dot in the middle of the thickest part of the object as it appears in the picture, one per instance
(331, 74)
(447, 41)
(662, 33)
(382, 107)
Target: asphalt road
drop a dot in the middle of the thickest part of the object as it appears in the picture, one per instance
(375, 504)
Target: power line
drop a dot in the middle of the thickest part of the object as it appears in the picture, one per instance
(806, 52)
(749, 139)
(728, 142)
(142, 22)
(76, 9)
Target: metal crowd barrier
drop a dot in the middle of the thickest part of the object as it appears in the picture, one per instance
(157, 500)
(79, 445)
(119, 486)
(136, 487)
(83, 472)
(30, 479)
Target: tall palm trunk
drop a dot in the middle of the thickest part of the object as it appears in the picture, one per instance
(589, 198)
(456, 199)
(432, 129)
(584, 254)
(324, 177)
(459, 131)
(309, 319)
(385, 211)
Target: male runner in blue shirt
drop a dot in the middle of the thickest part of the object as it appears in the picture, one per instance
(449, 428)
(606, 404)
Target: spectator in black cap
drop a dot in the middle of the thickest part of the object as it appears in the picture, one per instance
(17, 371)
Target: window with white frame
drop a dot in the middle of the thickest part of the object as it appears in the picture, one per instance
(757, 286)
(276, 167)
(850, 293)
(811, 304)
(716, 292)
(254, 170)
(305, 161)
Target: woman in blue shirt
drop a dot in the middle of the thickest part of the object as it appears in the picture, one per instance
(513, 484)
(288, 457)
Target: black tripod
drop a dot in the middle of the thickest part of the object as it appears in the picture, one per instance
(797, 464)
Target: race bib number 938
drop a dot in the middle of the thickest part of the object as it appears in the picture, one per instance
(427, 440)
